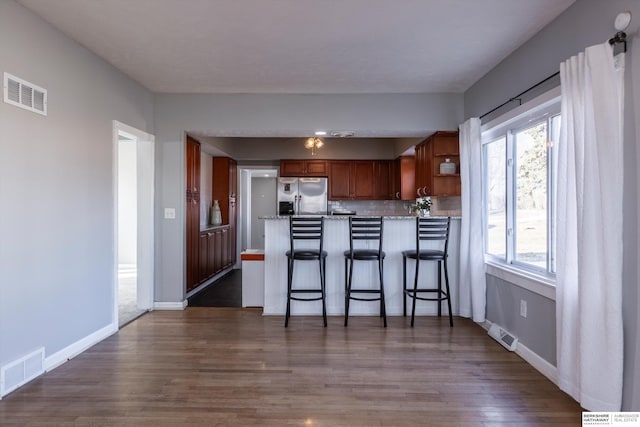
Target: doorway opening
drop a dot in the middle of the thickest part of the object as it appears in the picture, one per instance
(258, 199)
(134, 228)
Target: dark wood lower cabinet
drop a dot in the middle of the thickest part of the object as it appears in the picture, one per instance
(215, 251)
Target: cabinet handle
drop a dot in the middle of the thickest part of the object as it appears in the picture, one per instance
(397, 194)
(418, 192)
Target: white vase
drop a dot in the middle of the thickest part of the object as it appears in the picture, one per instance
(216, 215)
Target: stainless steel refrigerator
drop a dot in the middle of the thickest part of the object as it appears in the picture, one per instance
(302, 196)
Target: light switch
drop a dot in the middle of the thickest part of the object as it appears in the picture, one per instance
(169, 213)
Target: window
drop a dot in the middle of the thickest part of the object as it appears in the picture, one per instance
(518, 155)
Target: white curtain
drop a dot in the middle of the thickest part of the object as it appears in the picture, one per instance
(589, 230)
(472, 287)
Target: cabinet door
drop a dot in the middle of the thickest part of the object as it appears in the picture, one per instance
(232, 245)
(339, 180)
(203, 264)
(192, 242)
(192, 166)
(383, 180)
(315, 168)
(405, 175)
(362, 181)
(419, 177)
(226, 248)
(218, 255)
(292, 167)
(423, 169)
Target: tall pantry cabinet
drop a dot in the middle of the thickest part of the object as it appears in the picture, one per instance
(192, 212)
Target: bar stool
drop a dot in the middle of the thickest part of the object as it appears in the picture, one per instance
(364, 230)
(433, 229)
(309, 229)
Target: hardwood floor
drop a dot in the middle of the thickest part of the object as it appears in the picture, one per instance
(234, 367)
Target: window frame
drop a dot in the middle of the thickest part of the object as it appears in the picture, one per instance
(543, 108)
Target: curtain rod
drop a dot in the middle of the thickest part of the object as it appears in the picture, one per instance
(619, 37)
(517, 97)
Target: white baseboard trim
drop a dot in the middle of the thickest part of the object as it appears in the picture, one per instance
(541, 365)
(532, 358)
(180, 305)
(71, 351)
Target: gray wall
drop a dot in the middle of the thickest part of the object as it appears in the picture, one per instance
(585, 23)
(269, 115)
(56, 187)
(538, 330)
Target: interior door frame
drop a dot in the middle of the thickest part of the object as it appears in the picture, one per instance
(145, 163)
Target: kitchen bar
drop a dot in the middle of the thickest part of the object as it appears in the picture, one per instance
(398, 235)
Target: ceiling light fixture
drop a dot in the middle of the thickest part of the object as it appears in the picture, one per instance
(313, 144)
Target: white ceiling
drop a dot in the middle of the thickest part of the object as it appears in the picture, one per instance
(301, 46)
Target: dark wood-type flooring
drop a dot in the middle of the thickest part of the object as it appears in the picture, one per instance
(234, 367)
(224, 292)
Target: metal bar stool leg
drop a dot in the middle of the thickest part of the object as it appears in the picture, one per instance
(289, 282)
(446, 282)
(322, 265)
(383, 307)
(348, 293)
(404, 285)
(415, 292)
(439, 288)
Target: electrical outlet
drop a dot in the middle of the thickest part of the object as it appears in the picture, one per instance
(169, 213)
(523, 308)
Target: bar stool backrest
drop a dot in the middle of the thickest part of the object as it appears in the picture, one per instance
(433, 229)
(307, 229)
(366, 229)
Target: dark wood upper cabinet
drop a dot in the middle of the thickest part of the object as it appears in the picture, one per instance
(359, 179)
(429, 154)
(303, 168)
(404, 178)
(383, 180)
(362, 179)
(193, 166)
(339, 180)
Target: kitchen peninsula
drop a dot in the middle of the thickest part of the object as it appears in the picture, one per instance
(398, 235)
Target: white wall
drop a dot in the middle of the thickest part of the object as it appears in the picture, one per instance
(127, 202)
(57, 187)
(585, 23)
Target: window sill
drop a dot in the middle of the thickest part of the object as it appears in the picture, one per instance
(537, 284)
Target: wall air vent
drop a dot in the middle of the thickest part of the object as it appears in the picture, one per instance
(21, 371)
(342, 133)
(504, 337)
(25, 95)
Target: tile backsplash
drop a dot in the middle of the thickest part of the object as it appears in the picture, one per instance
(373, 207)
(440, 206)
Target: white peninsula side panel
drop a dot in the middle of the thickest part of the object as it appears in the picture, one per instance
(399, 235)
